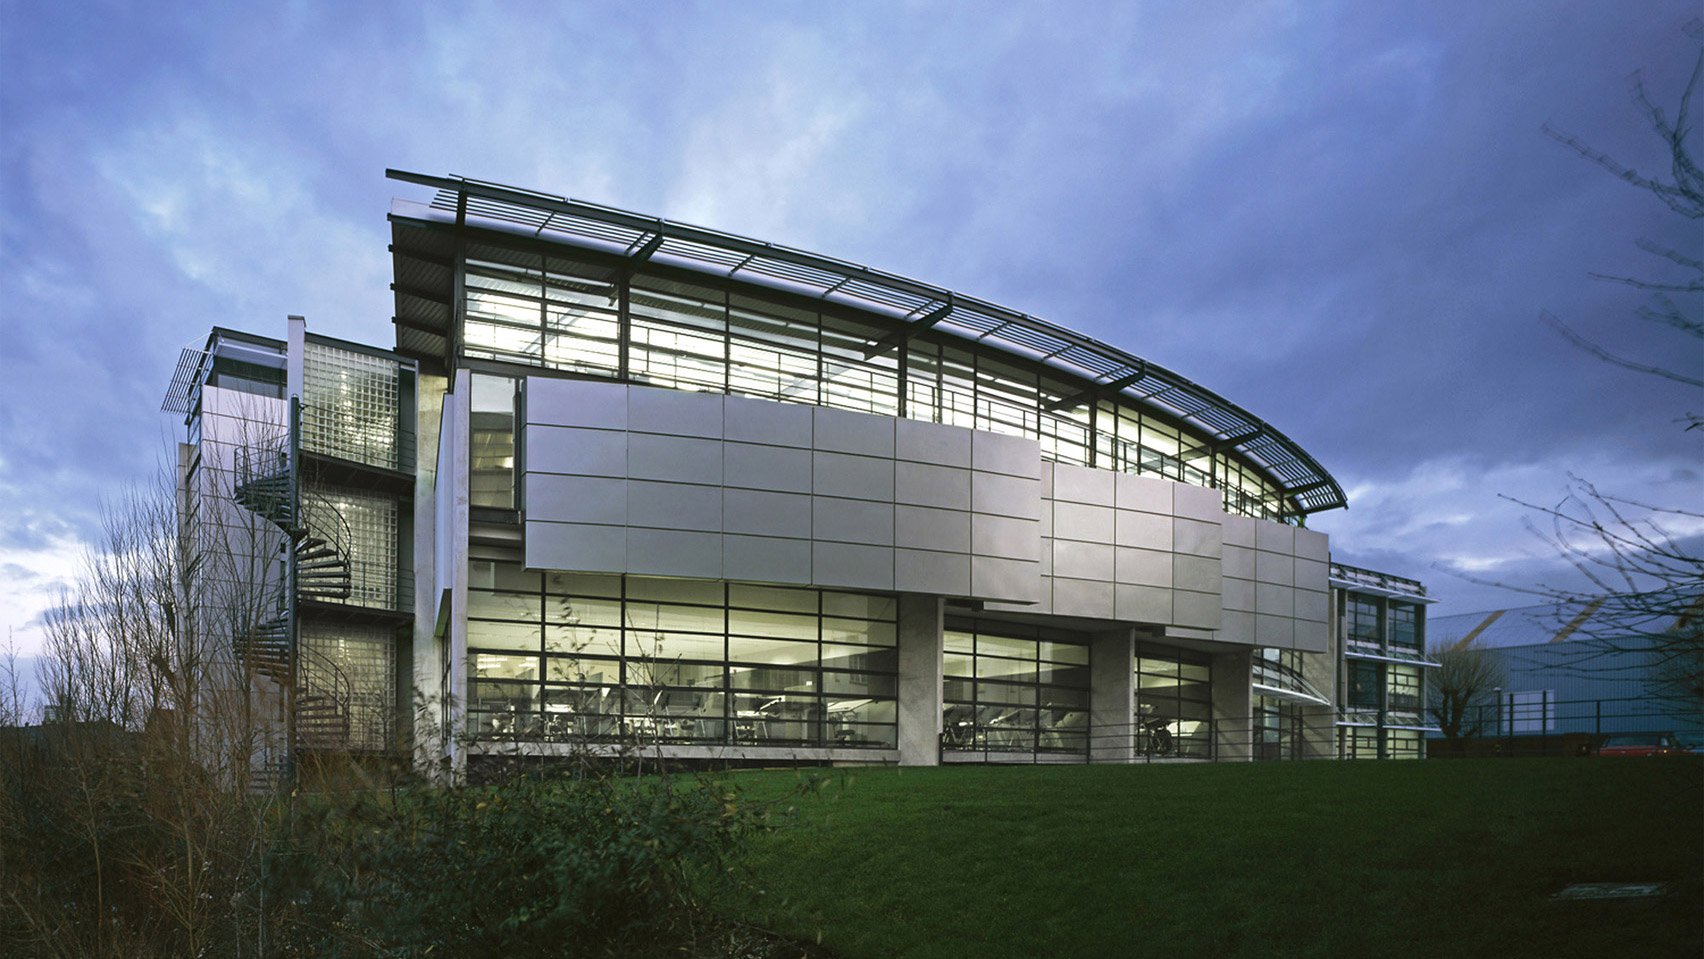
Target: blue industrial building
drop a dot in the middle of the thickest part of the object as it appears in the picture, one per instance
(1568, 672)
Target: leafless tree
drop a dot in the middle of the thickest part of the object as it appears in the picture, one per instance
(1458, 689)
(126, 823)
(1673, 302)
(1640, 609)
(1640, 564)
(17, 702)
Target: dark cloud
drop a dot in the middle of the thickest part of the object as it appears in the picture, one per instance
(1343, 217)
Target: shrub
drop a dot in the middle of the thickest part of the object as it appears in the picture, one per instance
(536, 866)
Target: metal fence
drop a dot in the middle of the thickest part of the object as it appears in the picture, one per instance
(1508, 724)
(1155, 741)
(1536, 723)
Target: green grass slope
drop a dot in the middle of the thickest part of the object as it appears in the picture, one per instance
(1456, 858)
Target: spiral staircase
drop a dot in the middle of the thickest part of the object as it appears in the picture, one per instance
(317, 541)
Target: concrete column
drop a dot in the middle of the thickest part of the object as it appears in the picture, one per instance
(448, 690)
(295, 341)
(1233, 705)
(1112, 697)
(1319, 723)
(920, 670)
(426, 672)
(1319, 732)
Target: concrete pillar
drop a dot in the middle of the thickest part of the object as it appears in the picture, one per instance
(1233, 706)
(442, 646)
(1112, 697)
(426, 673)
(295, 341)
(920, 670)
(1319, 723)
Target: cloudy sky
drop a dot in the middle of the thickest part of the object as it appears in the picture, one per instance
(1343, 216)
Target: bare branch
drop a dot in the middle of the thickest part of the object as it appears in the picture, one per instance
(1608, 357)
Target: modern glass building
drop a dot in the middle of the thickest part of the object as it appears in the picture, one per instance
(627, 483)
(1379, 622)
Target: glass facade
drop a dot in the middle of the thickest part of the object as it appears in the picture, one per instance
(1404, 744)
(1383, 630)
(1365, 680)
(1013, 688)
(1358, 742)
(1174, 702)
(591, 658)
(1405, 626)
(561, 314)
(1402, 693)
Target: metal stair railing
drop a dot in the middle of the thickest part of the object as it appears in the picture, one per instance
(325, 569)
(318, 529)
(264, 646)
(324, 703)
(261, 483)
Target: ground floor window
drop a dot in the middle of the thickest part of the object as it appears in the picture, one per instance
(1174, 702)
(1358, 742)
(1362, 742)
(1277, 728)
(600, 658)
(1014, 688)
(1404, 744)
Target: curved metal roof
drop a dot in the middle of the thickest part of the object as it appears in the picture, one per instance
(910, 304)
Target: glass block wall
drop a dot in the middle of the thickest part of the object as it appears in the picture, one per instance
(357, 665)
(351, 405)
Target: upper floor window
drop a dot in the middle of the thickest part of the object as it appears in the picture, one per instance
(1405, 625)
(491, 443)
(1362, 617)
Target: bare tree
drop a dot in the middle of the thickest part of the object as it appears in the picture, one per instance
(1641, 606)
(1458, 689)
(126, 824)
(1641, 565)
(17, 700)
(1672, 300)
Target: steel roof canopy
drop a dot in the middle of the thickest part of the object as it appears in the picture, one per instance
(908, 303)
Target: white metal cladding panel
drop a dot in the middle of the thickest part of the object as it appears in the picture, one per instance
(1139, 549)
(660, 482)
(1275, 590)
(919, 442)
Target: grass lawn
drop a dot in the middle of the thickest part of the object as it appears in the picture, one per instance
(1439, 858)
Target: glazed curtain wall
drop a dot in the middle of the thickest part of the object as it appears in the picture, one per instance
(561, 314)
(1013, 688)
(1174, 702)
(591, 658)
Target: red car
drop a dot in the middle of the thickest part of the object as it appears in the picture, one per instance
(1640, 744)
